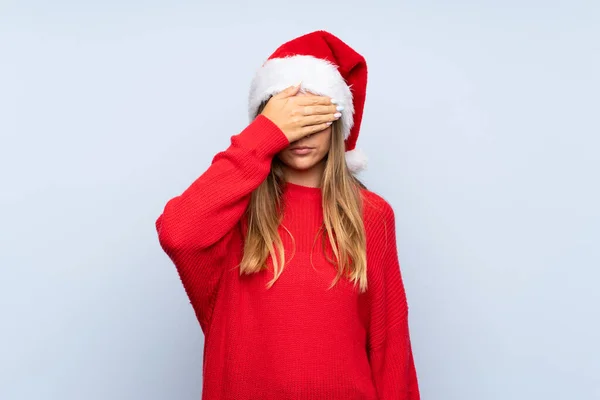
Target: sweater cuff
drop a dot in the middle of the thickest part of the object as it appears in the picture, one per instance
(263, 137)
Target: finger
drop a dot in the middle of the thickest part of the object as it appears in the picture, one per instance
(312, 100)
(288, 92)
(309, 130)
(318, 110)
(319, 119)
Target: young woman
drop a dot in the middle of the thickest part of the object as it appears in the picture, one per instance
(289, 261)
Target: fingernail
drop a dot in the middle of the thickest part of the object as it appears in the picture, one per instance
(337, 115)
(329, 123)
(334, 101)
(340, 108)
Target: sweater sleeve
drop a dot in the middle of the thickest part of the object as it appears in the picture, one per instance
(199, 229)
(390, 350)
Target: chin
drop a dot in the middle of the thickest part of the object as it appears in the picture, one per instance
(301, 166)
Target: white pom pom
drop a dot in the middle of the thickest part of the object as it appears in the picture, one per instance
(356, 160)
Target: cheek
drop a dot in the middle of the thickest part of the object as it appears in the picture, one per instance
(322, 141)
(325, 139)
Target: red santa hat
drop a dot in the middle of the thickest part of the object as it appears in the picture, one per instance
(326, 66)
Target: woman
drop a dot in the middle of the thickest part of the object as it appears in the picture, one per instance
(289, 261)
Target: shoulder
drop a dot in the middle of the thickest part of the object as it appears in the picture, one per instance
(380, 231)
(376, 209)
(379, 220)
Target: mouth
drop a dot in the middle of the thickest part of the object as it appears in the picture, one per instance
(301, 150)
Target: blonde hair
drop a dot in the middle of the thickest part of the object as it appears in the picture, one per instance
(342, 225)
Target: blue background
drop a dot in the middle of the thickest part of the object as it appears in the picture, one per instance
(482, 130)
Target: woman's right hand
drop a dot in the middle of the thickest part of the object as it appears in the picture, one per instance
(299, 116)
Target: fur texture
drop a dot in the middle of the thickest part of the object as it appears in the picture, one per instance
(356, 160)
(318, 76)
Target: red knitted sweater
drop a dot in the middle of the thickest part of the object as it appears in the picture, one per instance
(296, 340)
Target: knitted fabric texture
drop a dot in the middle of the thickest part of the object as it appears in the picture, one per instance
(298, 339)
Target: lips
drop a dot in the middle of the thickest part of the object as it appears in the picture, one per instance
(301, 150)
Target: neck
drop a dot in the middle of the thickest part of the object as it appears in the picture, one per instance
(311, 177)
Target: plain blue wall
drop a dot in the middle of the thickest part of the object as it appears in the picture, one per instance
(482, 130)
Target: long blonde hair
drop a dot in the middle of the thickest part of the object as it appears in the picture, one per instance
(342, 219)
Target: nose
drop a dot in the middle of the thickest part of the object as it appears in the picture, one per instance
(303, 138)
